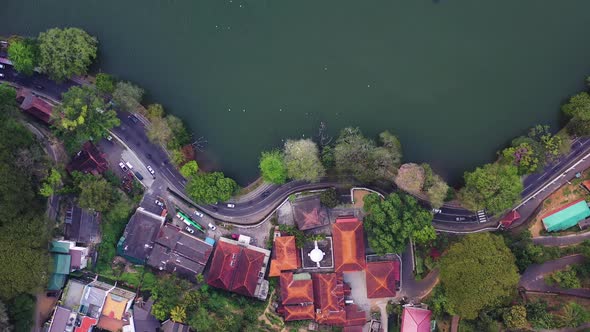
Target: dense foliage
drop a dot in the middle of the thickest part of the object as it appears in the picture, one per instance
(494, 187)
(477, 272)
(272, 167)
(392, 222)
(82, 116)
(127, 96)
(105, 83)
(23, 230)
(64, 53)
(24, 55)
(358, 156)
(302, 160)
(190, 169)
(329, 198)
(578, 110)
(530, 153)
(210, 187)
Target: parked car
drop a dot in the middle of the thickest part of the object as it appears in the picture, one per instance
(151, 170)
(211, 226)
(158, 203)
(190, 230)
(139, 176)
(199, 214)
(435, 211)
(123, 167)
(460, 219)
(133, 118)
(231, 205)
(1, 75)
(129, 165)
(235, 236)
(1, 66)
(110, 138)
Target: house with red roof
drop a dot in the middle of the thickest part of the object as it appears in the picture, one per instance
(415, 320)
(296, 296)
(308, 212)
(382, 279)
(88, 160)
(329, 292)
(285, 256)
(240, 268)
(349, 245)
(34, 105)
(509, 218)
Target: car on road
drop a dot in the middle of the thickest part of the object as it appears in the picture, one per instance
(435, 211)
(158, 203)
(133, 118)
(265, 194)
(190, 230)
(231, 205)
(199, 214)
(1, 66)
(110, 138)
(460, 219)
(151, 170)
(123, 167)
(39, 87)
(211, 226)
(1, 75)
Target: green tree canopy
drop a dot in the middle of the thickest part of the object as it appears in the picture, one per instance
(82, 116)
(578, 110)
(105, 83)
(21, 311)
(95, 193)
(358, 156)
(5, 325)
(64, 53)
(302, 160)
(7, 97)
(435, 187)
(494, 187)
(478, 272)
(272, 167)
(391, 222)
(210, 187)
(515, 317)
(128, 96)
(24, 55)
(180, 135)
(190, 169)
(159, 131)
(155, 111)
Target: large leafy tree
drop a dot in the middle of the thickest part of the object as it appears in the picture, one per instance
(21, 311)
(302, 160)
(578, 110)
(128, 96)
(159, 132)
(358, 156)
(478, 272)
(495, 187)
(7, 97)
(392, 222)
(82, 116)
(24, 54)
(210, 187)
(272, 167)
(105, 83)
(64, 53)
(190, 169)
(96, 193)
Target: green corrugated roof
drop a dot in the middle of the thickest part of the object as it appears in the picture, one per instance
(60, 247)
(61, 263)
(567, 217)
(56, 282)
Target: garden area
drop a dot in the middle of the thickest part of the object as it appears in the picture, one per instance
(574, 276)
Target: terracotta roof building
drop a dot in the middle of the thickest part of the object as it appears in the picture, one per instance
(34, 105)
(239, 268)
(415, 320)
(329, 290)
(509, 218)
(349, 245)
(177, 251)
(88, 160)
(285, 256)
(382, 278)
(309, 213)
(296, 296)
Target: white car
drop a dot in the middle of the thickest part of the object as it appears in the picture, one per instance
(123, 167)
(198, 214)
(1, 75)
(231, 205)
(212, 227)
(158, 203)
(150, 169)
(190, 230)
(129, 165)
(1, 66)
(435, 211)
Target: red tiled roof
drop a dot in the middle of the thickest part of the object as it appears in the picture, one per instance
(295, 291)
(509, 218)
(235, 269)
(381, 278)
(349, 245)
(87, 322)
(286, 257)
(88, 160)
(415, 320)
(329, 298)
(355, 316)
(34, 105)
(297, 312)
(586, 184)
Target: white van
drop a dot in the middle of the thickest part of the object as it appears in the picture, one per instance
(128, 165)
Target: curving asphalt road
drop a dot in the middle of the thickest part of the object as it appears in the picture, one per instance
(533, 278)
(134, 134)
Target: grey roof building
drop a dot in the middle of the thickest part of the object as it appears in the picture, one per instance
(170, 326)
(143, 319)
(82, 226)
(61, 320)
(137, 241)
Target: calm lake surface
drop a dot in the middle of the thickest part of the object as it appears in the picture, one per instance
(454, 79)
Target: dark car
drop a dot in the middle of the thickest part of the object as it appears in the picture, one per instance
(133, 118)
(265, 194)
(139, 176)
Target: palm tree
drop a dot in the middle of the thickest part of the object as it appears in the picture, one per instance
(178, 314)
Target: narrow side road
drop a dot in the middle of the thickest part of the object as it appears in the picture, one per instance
(533, 279)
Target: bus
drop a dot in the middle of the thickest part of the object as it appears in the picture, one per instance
(187, 220)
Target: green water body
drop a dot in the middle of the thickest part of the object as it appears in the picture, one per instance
(455, 80)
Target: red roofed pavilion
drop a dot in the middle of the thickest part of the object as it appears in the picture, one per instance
(285, 255)
(509, 218)
(328, 289)
(88, 160)
(237, 268)
(297, 296)
(381, 279)
(34, 105)
(415, 320)
(349, 245)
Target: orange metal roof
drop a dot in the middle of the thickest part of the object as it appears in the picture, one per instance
(349, 245)
(295, 292)
(296, 312)
(328, 289)
(286, 257)
(381, 278)
(114, 306)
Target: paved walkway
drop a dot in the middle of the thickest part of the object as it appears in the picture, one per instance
(533, 279)
(561, 241)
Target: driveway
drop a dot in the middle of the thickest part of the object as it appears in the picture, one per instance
(533, 279)
(411, 288)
